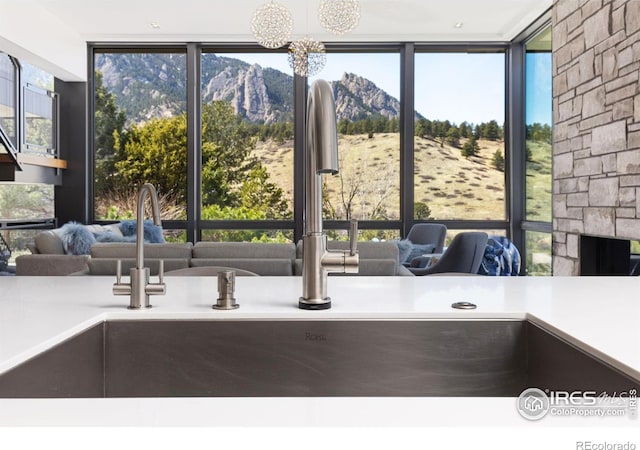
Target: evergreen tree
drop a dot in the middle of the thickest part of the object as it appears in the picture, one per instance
(470, 148)
(259, 194)
(423, 128)
(156, 153)
(109, 121)
(477, 132)
(421, 211)
(343, 126)
(440, 131)
(465, 130)
(453, 137)
(493, 132)
(498, 161)
(394, 125)
(226, 153)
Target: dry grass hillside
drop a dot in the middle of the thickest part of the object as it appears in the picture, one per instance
(452, 186)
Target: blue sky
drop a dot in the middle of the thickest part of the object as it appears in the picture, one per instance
(538, 90)
(449, 86)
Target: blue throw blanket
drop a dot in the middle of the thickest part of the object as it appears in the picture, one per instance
(501, 258)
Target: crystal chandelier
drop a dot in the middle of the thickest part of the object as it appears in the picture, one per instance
(339, 16)
(307, 56)
(271, 25)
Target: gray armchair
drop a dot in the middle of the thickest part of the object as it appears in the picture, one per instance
(464, 255)
(428, 233)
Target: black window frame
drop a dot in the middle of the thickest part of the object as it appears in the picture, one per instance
(513, 224)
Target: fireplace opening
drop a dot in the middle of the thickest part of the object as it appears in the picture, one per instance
(607, 256)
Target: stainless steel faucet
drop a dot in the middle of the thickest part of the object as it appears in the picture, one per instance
(139, 287)
(321, 157)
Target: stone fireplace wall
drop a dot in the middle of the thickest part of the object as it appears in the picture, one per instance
(596, 114)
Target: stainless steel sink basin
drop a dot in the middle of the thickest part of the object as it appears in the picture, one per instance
(240, 358)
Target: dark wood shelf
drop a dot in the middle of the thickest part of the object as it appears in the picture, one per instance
(24, 224)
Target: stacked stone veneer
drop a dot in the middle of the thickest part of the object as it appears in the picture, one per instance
(596, 113)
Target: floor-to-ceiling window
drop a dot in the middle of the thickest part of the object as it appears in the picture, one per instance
(367, 186)
(247, 150)
(538, 177)
(246, 147)
(140, 130)
(459, 142)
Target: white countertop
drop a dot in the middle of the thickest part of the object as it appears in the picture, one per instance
(599, 315)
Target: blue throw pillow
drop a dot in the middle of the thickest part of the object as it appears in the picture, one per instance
(419, 250)
(404, 249)
(152, 233)
(76, 238)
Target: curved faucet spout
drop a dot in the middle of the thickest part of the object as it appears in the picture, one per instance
(321, 156)
(147, 190)
(322, 150)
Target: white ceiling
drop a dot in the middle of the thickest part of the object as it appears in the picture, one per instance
(53, 34)
(228, 20)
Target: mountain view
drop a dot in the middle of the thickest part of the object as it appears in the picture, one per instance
(247, 147)
(155, 86)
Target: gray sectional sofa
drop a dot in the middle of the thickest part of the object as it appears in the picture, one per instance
(263, 259)
(105, 256)
(273, 259)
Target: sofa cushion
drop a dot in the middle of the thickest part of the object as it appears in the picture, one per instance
(48, 242)
(128, 250)
(243, 250)
(107, 266)
(261, 266)
(50, 265)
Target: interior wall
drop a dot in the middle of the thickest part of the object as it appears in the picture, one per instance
(596, 115)
(72, 197)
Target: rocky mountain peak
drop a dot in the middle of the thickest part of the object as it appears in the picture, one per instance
(148, 86)
(357, 97)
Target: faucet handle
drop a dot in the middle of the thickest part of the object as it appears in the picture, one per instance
(118, 287)
(353, 237)
(161, 272)
(119, 271)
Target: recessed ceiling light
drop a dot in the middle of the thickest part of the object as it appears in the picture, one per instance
(154, 25)
(458, 25)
